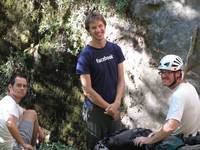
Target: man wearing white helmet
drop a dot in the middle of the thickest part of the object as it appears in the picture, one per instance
(183, 116)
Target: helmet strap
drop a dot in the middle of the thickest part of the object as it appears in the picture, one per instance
(173, 83)
(175, 80)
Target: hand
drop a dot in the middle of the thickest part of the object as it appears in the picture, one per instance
(107, 111)
(41, 135)
(139, 141)
(113, 111)
(115, 107)
(151, 134)
(116, 115)
(27, 147)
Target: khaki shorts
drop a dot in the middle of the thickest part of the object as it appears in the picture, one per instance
(26, 131)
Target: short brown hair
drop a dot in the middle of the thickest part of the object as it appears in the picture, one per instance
(15, 75)
(93, 16)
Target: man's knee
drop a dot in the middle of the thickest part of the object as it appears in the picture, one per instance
(30, 115)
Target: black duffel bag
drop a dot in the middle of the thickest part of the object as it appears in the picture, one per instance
(192, 140)
(123, 140)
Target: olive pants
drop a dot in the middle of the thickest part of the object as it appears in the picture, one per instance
(99, 125)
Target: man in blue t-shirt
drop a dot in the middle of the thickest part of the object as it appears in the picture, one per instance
(100, 67)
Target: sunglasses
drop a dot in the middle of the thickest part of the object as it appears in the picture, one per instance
(166, 72)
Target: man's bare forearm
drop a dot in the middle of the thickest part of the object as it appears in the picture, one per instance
(120, 92)
(95, 97)
(15, 133)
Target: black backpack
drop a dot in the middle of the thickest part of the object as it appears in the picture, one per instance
(192, 140)
(123, 140)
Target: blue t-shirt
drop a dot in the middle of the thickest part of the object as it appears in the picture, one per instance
(102, 65)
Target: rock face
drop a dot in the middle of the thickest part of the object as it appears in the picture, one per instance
(169, 23)
(156, 28)
(192, 69)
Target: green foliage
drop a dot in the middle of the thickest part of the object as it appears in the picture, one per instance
(17, 62)
(56, 146)
(122, 6)
(56, 91)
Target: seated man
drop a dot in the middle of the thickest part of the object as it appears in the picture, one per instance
(19, 128)
(184, 109)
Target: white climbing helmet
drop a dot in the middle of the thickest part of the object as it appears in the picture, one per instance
(171, 62)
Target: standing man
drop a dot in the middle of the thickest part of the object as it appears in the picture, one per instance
(100, 67)
(184, 109)
(19, 128)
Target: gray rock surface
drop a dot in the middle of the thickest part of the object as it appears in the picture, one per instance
(169, 23)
